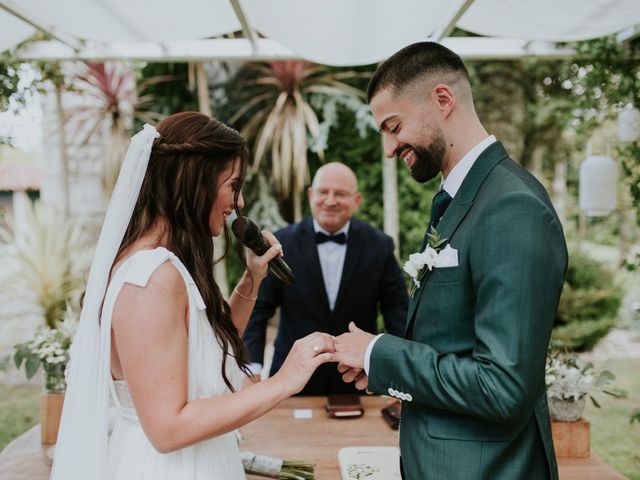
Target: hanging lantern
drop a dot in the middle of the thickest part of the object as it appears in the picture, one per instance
(629, 125)
(598, 185)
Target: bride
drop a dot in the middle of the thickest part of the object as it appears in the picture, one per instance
(156, 334)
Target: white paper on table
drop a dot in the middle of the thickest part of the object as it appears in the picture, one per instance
(370, 463)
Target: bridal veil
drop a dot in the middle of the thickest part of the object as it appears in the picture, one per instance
(82, 447)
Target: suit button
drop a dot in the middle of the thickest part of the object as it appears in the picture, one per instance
(409, 397)
(403, 396)
(392, 392)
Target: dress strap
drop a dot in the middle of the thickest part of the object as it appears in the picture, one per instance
(143, 263)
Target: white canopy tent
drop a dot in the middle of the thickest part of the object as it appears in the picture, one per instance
(334, 32)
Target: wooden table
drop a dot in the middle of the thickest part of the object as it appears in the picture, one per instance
(317, 439)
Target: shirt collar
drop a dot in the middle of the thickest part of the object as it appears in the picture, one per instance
(458, 173)
(344, 229)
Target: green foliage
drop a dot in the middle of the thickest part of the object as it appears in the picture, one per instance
(526, 104)
(588, 306)
(364, 156)
(606, 77)
(49, 348)
(9, 79)
(18, 411)
(582, 335)
(14, 88)
(30, 359)
(50, 262)
(630, 155)
(172, 95)
(613, 437)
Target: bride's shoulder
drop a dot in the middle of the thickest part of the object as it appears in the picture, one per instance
(167, 279)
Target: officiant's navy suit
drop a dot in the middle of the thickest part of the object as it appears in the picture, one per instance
(371, 282)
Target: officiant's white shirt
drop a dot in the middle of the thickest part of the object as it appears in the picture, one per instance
(451, 184)
(332, 261)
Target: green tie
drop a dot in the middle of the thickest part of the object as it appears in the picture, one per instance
(438, 206)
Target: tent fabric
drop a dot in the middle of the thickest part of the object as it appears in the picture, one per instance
(335, 32)
(12, 31)
(554, 20)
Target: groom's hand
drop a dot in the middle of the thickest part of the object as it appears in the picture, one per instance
(351, 346)
(354, 375)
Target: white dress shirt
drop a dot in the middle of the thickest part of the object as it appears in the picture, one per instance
(331, 256)
(451, 184)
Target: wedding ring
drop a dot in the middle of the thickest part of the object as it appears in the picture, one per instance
(316, 348)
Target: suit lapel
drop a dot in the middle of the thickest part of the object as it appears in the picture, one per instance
(460, 206)
(354, 247)
(309, 252)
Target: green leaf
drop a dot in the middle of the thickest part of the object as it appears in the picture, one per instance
(588, 366)
(31, 367)
(18, 357)
(604, 378)
(594, 401)
(616, 393)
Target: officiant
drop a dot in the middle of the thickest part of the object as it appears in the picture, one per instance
(345, 270)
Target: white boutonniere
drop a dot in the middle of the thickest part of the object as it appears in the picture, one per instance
(420, 263)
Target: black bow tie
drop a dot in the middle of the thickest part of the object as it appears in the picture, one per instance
(340, 238)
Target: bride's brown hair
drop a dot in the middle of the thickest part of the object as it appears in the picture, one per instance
(180, 187)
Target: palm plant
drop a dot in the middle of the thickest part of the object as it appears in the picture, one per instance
(47, 262)
(114, 100)
(281, 118)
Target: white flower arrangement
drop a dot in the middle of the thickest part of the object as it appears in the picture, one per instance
(420, 263)
(569, 379)
(49, 348)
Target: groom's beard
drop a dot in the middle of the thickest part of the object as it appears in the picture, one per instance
(429, 159)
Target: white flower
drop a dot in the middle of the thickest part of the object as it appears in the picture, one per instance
(567, 378)
(415, 266)
(417, 260)
(431, 256)
(411, 269)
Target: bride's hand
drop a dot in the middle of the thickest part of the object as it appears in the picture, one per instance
(259, 265)
(306, 355)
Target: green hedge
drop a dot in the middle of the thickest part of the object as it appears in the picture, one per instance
(589, 304)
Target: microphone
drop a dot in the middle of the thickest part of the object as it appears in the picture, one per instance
(254, 241)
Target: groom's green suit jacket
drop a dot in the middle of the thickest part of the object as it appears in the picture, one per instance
(471, 368)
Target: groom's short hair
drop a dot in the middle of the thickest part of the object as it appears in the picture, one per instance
(426, 61)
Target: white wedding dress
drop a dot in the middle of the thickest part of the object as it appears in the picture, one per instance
(131, 455)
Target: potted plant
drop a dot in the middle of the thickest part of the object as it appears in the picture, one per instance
(49, 349)
(47, 262)
(569, 381)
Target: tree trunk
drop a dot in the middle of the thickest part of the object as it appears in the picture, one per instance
(219, 269)
(627, 223)
(390, 200)
(62, 145)
(297, 206)
(559, 189)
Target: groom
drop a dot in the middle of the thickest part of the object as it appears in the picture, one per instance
(470, 368)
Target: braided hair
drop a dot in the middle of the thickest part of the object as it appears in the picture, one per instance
(180, 187)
